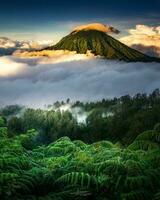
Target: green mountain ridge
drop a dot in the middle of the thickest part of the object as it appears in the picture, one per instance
(99, 43)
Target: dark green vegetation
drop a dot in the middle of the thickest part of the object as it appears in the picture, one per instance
(119, 160)
(118, 120)
(99, 43)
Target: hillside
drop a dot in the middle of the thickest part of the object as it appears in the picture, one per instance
(99, 43)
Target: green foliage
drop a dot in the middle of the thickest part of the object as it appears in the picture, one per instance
(157, 196)
(74, 170)
(2, 122)
(79, 178)
(10, 110)
(157, 127)
(14, 126)
(42, 155)
(28, 140)
(3, 132)
(148, 140)
(119, 120)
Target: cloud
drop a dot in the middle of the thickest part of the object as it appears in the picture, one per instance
(55, 55)
(39, 81)
(9, 68)
(149, 50)
(6, 43)
(96, 26)
(8, 46)
(30, 64)
(145, 39)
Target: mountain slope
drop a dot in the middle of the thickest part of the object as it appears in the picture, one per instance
(99, 43)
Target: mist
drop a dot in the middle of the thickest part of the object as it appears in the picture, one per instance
(77, 112)
(40, 81)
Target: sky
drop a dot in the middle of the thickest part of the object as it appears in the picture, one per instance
(50, 20)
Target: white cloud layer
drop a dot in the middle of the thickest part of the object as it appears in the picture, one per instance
(8, 46)
(40, 81)
(145, 39)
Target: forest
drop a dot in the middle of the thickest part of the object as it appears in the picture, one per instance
(104, 150)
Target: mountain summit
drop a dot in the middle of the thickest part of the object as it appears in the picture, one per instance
(96, 26)
(94, 37)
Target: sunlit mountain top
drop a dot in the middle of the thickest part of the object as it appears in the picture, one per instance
(96, 26)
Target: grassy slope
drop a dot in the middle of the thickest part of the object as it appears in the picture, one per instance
(100, 44)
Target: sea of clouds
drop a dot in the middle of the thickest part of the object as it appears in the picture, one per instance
(38, 81)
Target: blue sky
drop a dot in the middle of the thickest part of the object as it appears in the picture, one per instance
(48, 19)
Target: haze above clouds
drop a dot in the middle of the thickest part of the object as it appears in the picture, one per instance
(40, 80)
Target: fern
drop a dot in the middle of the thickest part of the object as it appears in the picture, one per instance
(80, 178)
(111, 166)
(134, 167)
(77, 171)
(137, 195)
(136, 182)
(103, 144)
(6, 178)
(144, 145)
(149, 135)
(157, 196)
(14, 163)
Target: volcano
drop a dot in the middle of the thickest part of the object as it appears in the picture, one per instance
(98, 42)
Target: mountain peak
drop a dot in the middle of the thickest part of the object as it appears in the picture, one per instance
(96, 26)
(94, 38)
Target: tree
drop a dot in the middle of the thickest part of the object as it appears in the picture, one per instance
(28, 140)
(2, 122)
(15, 126)
(157, 127)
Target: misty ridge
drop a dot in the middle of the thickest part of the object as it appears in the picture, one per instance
(76, 109)
(78, 112)
(116, 119)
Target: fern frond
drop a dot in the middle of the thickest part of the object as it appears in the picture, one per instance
(143, 145)
(80, 178)
(137, 195)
